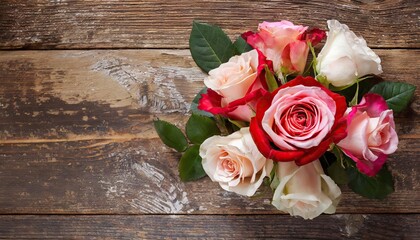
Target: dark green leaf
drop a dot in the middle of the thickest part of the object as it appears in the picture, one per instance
(194, 104)
(242, 46)
(199, 128)
(337, 173)
(377, 187)
(327, 159)
(190, 167)
(397, 95)
(210, 46)
(171, 135)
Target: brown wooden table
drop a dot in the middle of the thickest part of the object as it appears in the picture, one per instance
(81, 81)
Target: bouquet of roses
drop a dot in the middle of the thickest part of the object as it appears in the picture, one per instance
(269, 115)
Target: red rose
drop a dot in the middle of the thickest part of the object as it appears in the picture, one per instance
(298, 121)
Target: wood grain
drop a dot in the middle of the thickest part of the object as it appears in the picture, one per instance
(348, 226)
(139, 176)
(99, 94)
(76, 136)
(73, 24)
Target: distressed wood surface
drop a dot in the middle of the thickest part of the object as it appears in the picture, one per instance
(65, 24)
(340, 226)
(78, 94)
(79, 157)
(139, 176)
(76, 136)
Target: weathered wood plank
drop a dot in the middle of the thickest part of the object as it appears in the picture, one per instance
(140, 176)
(97, 94)
(166, 24)
(354, 226)
(76, 136)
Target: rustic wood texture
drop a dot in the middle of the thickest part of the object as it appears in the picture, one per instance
(347, 226)
(79, 158)
(74, 24)
(140, 177)
(76, 136)
(79, 94)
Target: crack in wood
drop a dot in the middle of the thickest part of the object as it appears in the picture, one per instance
(105, 139)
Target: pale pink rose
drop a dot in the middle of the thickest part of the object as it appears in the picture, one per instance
(298, 121)
(233, 78)
(371, 134)
(346, 57)
(305, 191)
(234, 87)
(284, 43)
(235, 162)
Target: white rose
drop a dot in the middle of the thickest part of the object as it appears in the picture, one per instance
(346, 57)
(232, 79)
(305, 191)
(235, 162)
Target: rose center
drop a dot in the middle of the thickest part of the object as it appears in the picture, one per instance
(298, 119)
(228, 164)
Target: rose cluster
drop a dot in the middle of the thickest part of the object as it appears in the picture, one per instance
(293, 123)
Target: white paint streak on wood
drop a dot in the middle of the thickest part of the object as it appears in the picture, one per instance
(155, 86)
(156, 191)
(353, 223)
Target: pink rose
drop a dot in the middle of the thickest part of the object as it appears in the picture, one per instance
(235, 86)
(371, 134)
(298, 121)
(284, 43)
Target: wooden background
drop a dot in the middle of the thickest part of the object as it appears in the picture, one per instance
(81, 81)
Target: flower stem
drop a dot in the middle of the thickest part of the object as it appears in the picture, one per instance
(221, 124)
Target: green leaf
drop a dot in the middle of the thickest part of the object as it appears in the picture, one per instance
(327, 159)
(241, 46)
(199, 128)
(270, 79)
(171, 135)
(337, 173)
(210, 46)
(194, 104)
(190, 167)
(397, 95)
(377, 187)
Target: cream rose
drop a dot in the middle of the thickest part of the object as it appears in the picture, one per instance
(235, 162)
(232, 80)
(234, 87)
(346, 57)
(305, 191)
